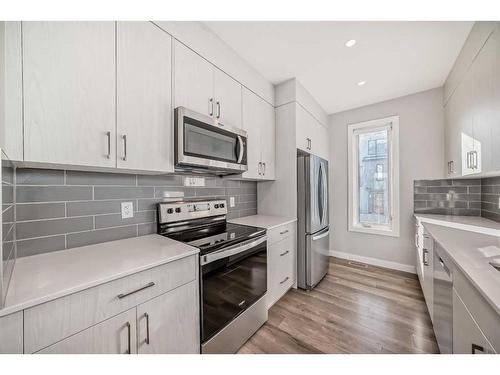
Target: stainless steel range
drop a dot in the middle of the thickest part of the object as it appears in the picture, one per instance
(233, 270)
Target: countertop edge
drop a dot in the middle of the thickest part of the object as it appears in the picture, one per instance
(284, 222)
(66, 292)
(461, 226)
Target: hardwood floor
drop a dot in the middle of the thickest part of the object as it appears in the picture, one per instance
(356, 308)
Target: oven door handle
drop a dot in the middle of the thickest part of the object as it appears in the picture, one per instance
(242, 149)
(233, 250)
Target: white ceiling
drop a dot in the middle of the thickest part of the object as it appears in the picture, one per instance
(394, 58)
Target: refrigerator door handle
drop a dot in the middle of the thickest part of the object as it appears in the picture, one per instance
(325, 196)
(320, 236)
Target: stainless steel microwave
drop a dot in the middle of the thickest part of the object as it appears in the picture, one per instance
(204, 145)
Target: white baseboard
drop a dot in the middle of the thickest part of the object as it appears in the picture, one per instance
(374, 261)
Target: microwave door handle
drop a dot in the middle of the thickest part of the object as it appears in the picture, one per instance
(242, 149)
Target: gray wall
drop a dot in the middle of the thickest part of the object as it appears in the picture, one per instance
(60, 209)
(421, 148)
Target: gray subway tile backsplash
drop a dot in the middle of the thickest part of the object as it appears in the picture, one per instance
(467, 197)
(59, 209)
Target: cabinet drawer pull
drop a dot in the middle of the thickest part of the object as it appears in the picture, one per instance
(425, 259)
(475, 347)
(284, 232)
(129, 349)
(264, 168)
(108, 134)
(284, 280)
(123, 295)
(283, 254)
(124, 147)
(211, 106)
(218, 110)
(146, 315)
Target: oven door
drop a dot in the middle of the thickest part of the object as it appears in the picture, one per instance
(203, 144)
(232, 279)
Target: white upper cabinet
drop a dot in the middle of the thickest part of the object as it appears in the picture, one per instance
(69, 92)
(193, 81)
(259, 122)
(144, 97)
(312, 137)
(227, 99)
(472, 115)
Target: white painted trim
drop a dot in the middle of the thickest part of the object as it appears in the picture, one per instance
(374, 261)
(393, 147)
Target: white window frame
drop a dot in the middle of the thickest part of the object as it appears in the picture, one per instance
(392, 124)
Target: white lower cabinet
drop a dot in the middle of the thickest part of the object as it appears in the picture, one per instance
(425, 268)
(281, 259)
(11, 333)
(467, 336)
(170, 323)
(113, 336)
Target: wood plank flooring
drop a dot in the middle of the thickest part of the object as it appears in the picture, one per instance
(356, 308)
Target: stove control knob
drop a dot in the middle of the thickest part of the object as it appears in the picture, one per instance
(170, 211)
(221, 205)
(216, 205)
(178, 209)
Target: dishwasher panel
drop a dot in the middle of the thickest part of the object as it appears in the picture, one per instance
(443, 301)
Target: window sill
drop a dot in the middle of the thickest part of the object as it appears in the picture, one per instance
(377, 231)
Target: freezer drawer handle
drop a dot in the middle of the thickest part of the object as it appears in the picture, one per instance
(320, 236)
(478, 348)
(123, 295)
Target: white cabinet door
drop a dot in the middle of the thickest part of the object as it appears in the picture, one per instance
(116, 335)
(144, 97)
(193, 81)
(169, 324)
(268, 139)
(465, 109)
(320, 141)
(304, 126)
(495, 133)
(467, 336)
(251, 118)
(11, 333)
(227, 99)
(69, 92)
(453, 140)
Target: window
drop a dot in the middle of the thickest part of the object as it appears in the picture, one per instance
(374, 177)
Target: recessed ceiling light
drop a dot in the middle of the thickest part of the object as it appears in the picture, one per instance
(361, 83)
(350, 43)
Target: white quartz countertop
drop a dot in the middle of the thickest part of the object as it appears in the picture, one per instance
(263, 221)
(469, 223)
(40, 278)
(471, 253)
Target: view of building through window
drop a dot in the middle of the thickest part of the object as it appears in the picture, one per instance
(373, 178)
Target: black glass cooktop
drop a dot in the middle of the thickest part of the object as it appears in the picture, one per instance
(213, 237)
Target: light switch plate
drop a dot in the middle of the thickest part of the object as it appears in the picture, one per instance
(194, 181)
(231, 201)
(127, 210)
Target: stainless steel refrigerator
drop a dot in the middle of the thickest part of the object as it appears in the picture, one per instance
(313, 227)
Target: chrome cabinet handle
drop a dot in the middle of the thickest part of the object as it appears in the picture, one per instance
(284, 280)
(475, 348)
(264, 168)
(469, 160)
(129, 350)
(284, 232)
(146, 315)
(283, 254)
(474, 159)
(218, 110)
(124, 147)
(211, 106)
(452, 166)
(108, 134)
(123, 295)
(260, 168)
(424, 256)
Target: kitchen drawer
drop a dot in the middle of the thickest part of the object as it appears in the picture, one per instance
(279, 233)
(483, 314)
(55, 320)
(467, 336)
(281, 268)
(116, 335)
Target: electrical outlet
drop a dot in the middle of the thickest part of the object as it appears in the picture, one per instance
(231, 201)
(127, 210)
(194, 181)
